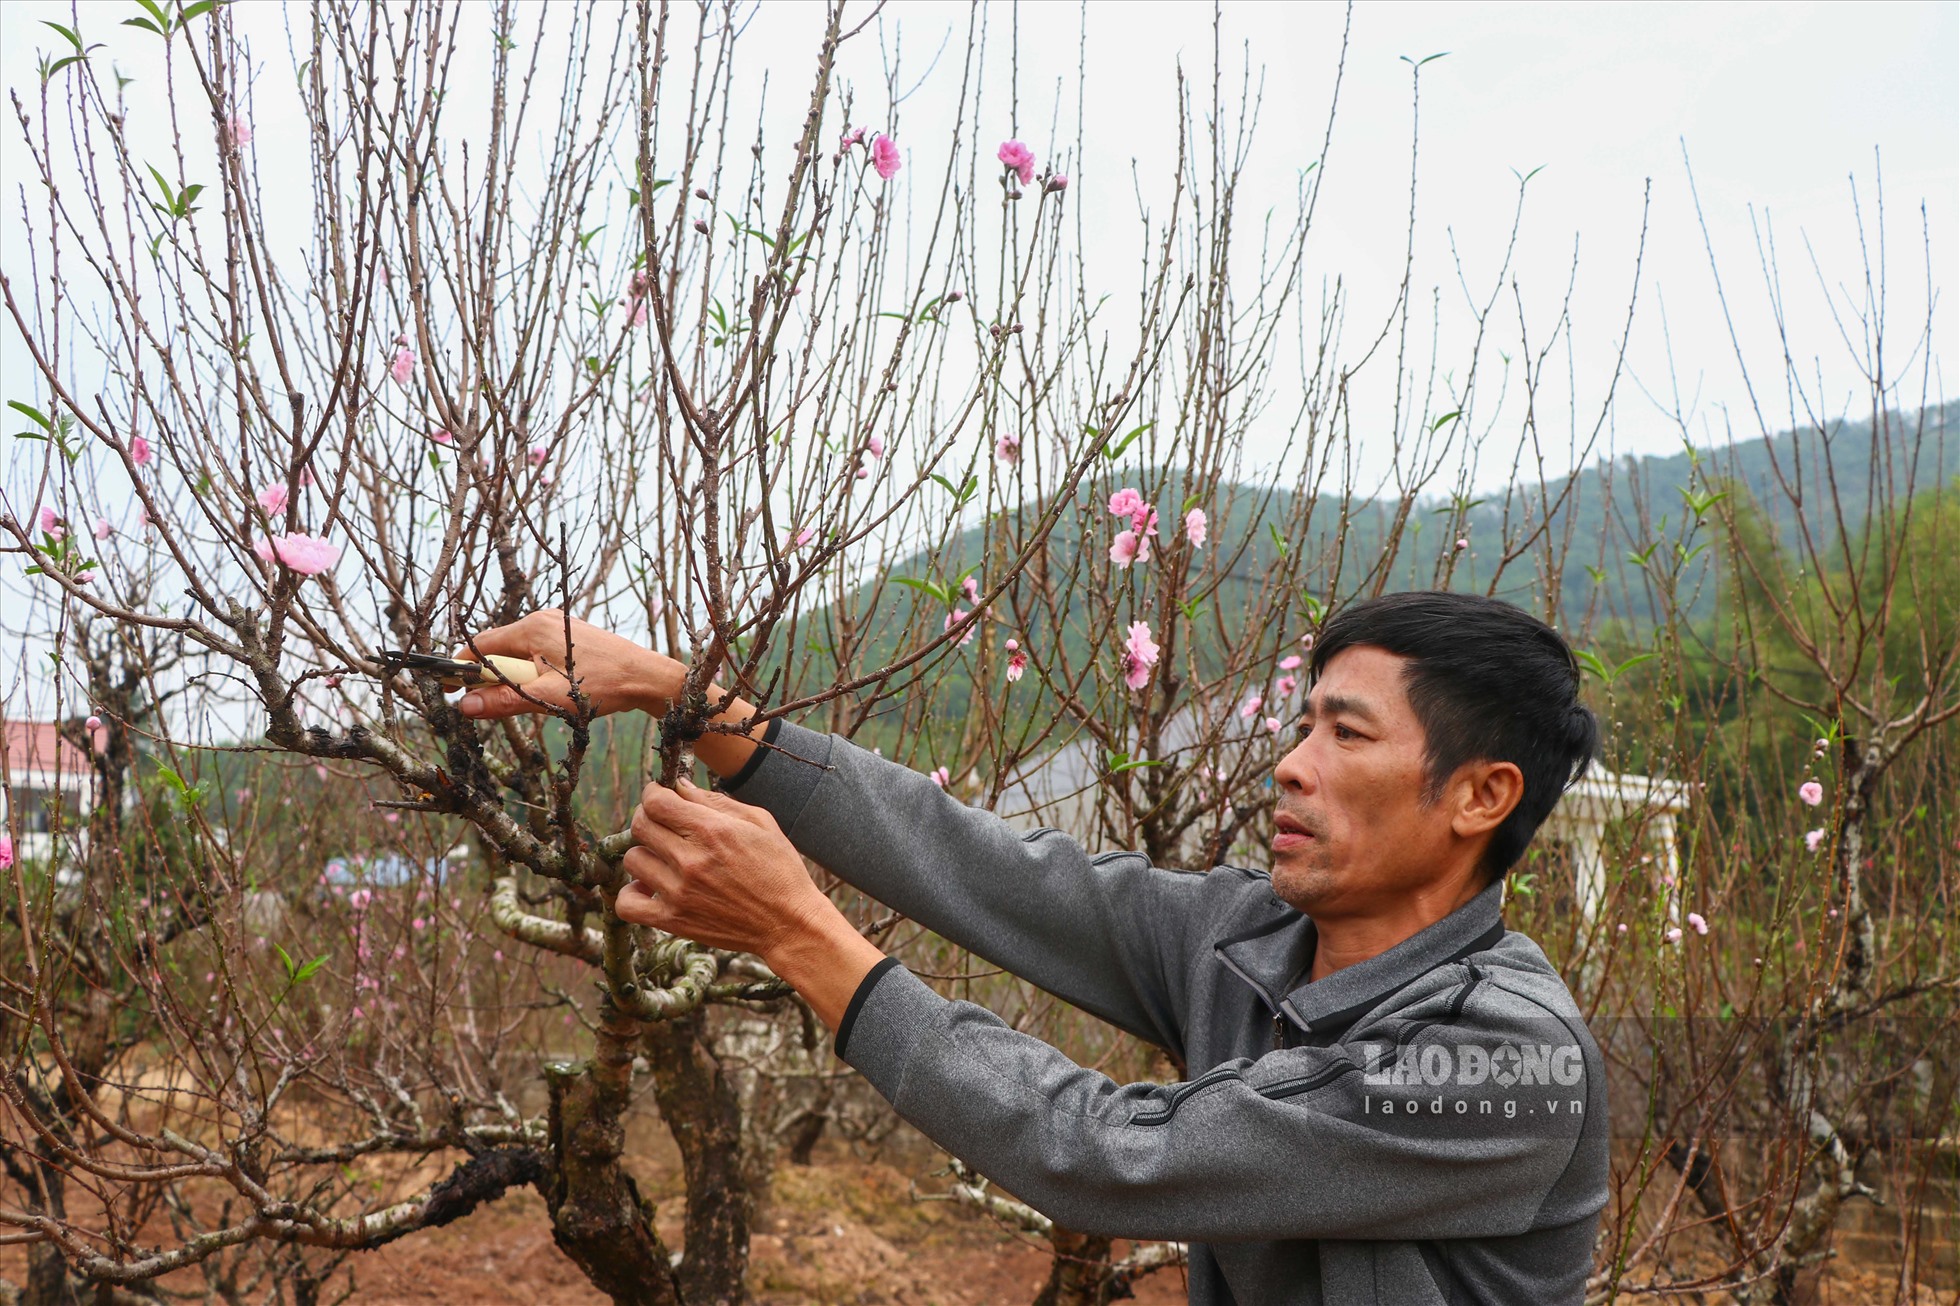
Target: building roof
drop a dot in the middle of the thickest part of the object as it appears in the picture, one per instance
(37, 746)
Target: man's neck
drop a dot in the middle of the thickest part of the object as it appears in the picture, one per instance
(1343, 941)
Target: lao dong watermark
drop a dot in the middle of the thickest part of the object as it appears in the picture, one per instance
(1473, 1084)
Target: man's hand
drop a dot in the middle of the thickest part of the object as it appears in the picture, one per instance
(720, 872)
(614, 673)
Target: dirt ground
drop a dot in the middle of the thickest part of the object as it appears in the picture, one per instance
(850, 1232)
(837, 1233)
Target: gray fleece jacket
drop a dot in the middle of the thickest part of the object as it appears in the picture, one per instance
(1428, 1126)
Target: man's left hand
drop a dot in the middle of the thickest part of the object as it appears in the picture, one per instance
(716, 871)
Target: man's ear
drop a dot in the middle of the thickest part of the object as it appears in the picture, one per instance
(1485, 793)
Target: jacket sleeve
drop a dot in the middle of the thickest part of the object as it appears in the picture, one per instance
(1301, 1143)
(1110, 934)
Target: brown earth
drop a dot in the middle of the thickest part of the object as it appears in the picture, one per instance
(837, 1233)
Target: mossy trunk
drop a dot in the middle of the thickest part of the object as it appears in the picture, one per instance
(598, 1217)
(699, 1105)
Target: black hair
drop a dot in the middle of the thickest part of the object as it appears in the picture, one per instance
(1489, 682)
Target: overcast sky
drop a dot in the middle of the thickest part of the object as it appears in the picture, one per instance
(1779, 107)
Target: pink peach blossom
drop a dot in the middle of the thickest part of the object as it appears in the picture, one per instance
(1674, 934)
(1291, 662)
(1140, 653)
(852, 136)
(1008, 448)
(1019, 158)
(93, 724)
(939, 774)
(1195, 527)
(875, 447)
(139, 451)
(1251, 706)
(1811, 792)
(303, 553)
(1697, 922)
(1017, 660)
(442, 437)
(1813, 839)
(51, 526)
(884, 157)
(971, 588)
(802, 537)
(1126, 502)
(1128, 547)
(272, 499)
(6, 851)
(1285, 686)
(238, 132)
(1058, 182)
(1272, 724)
(1462, 544)
(103, 528)
(404, 365)
(956, 616)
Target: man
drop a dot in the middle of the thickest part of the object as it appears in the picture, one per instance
(1392, 1099)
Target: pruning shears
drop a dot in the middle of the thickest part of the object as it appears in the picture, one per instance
(461, 673)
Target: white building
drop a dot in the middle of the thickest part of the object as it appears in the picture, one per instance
(50, 784)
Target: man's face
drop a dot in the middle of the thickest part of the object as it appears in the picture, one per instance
(1355, 837)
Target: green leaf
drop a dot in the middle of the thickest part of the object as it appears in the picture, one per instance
(435, 460)
(30, 435)
(285, 962)
(73, 39)
(1444, 420)
(26, 410)
(171, 778)
(585, 237)
(1279, 541)
(143, 23)
(1139, 763)
(1190, 501)
(1115, 450)
(942, 593)
(198, 10)
(308, 969)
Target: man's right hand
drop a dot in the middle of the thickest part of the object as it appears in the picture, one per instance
(614, 673)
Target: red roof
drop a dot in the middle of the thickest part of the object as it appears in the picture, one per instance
(35, 746)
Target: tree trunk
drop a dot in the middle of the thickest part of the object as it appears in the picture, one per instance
(597, 1215)
(698, 1103)
(1080, 1274)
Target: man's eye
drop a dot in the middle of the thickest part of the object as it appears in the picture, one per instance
(1344, 734)
(1301, 731)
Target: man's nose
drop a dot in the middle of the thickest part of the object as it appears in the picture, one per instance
(1295, 771)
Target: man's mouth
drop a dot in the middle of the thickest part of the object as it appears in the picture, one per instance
(1290, 831)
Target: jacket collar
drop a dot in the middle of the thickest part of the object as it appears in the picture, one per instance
(1274, 957)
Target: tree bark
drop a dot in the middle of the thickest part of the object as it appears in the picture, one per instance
(1081, 1273)
(698, 1103)
(597, 1215)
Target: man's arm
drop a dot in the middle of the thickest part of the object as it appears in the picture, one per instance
(1297, 1144)
(1110, 934)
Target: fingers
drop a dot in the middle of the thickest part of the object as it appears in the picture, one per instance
(523, 638)
(494, 702)
(691, 810)
(664, 842)
(637, 906)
